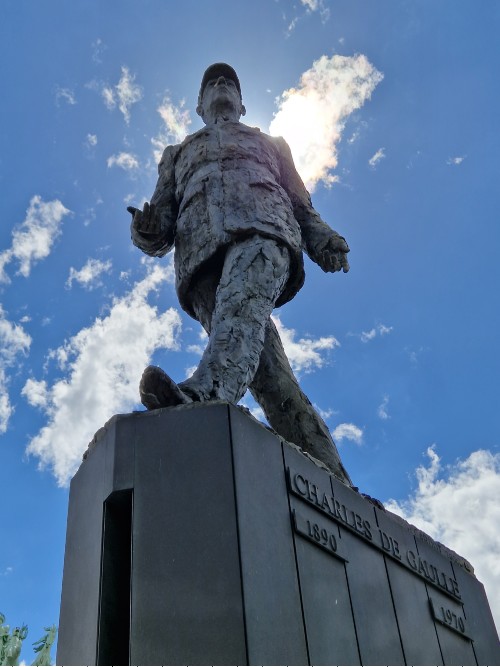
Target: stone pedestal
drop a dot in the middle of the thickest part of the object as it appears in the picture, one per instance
(195, 536)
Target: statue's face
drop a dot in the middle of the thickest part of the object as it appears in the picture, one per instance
(221, 95)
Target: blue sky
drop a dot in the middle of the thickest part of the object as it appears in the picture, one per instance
(400, 354)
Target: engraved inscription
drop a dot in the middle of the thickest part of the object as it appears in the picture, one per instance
(318, 534)
(431, 574)
(324, 501)
(451, 619)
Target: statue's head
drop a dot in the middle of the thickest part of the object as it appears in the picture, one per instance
(220, 93)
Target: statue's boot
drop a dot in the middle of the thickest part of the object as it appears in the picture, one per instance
(158, 390)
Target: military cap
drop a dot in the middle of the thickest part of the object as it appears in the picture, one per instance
(216, 70)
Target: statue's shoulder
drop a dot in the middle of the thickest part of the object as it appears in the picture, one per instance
(169, 153)
(203, 132)
(280, 143)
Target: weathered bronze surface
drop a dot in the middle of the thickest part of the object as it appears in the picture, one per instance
(231, 202)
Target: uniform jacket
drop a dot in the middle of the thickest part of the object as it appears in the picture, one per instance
(223, 183)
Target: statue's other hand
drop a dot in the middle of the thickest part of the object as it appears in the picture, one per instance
(145, 222)
(333, 255)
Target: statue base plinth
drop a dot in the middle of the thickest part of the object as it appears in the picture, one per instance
(196, 536)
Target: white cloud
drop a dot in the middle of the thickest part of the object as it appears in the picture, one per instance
(379, 330)
(354, 136)
(108, 96)
(324, 414)
(317, 5)
(382, 409)
(348, 432)
(91, 140)
(455, 161)
(190, 370)
(305, 353)
(258, 413)
(32, 240)
(124, 94)
(14, 342)
(312, 116)
(5, 405)
(311, 7)
(177, 120)
(13, 339)
(195, 349)
(125, 161)
(199, 348)
(65, 94)
(35, 392)
(291, 26)
(101, 367)
(468, 489)
(375, 159)
(88, 275)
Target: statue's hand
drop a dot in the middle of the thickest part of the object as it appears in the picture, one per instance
(332, 256)
(145, 222)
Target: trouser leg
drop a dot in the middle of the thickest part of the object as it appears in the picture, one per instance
(245, 350)
(254, 274)
(287, 408)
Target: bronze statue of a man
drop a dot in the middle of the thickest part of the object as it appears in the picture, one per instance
(232, 203)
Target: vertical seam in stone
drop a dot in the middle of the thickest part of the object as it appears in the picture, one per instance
(243, 606)
(352, 609)
(349, 590)
(429, 601)
(465, 615)
(392, 596)
(296, 559)
(394, 607)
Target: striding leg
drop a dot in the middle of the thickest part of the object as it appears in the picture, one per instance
(287, 408)
(254, 274)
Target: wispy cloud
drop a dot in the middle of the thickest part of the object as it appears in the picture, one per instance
(456, 161)
(101, 366)
(324, 414)
(311, 6)
(33, 239)
(98, 47)
(375, 159)
(89, 275)
(124, 94)
(91, 140)
(199, 348)
(305, 354)
(382, 409)
(176, 121)
(317, 6)
(468, 489)
(65, 95)
(14, 342)
(125, 161)
(379, 330)
(415, 354)
(312, 116)
(348, 432)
